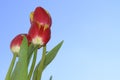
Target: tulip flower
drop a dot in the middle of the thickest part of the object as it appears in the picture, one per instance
(39, 34)
(41, 16)
(16, 43)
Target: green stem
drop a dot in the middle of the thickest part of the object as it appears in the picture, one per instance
(10, 68)
(40, 68)
(33, 64)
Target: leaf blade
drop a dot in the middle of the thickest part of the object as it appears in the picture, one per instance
(52, 54)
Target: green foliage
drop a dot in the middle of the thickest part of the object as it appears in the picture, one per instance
(51, 54)
(31, 49)
(20, 70)
(8, 76)
(50, 77)
(48, 59)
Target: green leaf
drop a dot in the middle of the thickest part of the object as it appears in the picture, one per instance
(50, 77)
(32, 65)
(39, 68)
(8, 76)
(35, 72)
(21, 69)
(48, 58)
(51, 54)
(31, 49)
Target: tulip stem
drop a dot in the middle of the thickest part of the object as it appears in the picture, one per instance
(33, 64)
(40, 68)
(8, 76)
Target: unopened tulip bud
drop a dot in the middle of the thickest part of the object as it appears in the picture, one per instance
(16, 43)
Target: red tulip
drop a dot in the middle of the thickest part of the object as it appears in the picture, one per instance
(17, 41)
(41, 16)
(40, 34)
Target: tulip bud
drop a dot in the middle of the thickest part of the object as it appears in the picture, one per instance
(41, 16)
(17, 41)
(39, 34)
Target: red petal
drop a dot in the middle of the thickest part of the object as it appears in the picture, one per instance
(46, 34)
(42, 16)
(18, 40)
(34, 30)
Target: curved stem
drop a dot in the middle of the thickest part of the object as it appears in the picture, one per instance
(40, 68)
(33, 64)
(10, 68)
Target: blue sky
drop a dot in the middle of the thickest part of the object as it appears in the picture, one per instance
(90, 30)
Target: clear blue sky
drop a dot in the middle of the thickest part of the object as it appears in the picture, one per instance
(90, 30)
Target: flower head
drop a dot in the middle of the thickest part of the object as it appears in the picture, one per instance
(40, 35)
(41, 16)
(16, 43)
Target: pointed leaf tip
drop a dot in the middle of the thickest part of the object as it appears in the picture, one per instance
(51, 54)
